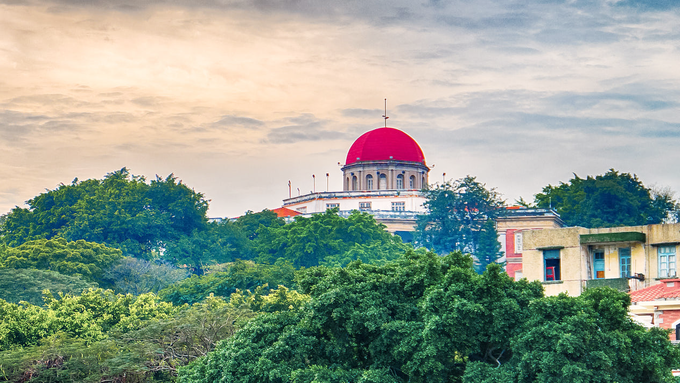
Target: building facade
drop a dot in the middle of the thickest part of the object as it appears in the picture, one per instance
(628, 258)
(383, 175)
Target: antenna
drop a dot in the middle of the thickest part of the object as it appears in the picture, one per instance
(385, 115)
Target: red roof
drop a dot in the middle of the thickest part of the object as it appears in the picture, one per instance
(385, 144)
(283, 212)
(659, 291)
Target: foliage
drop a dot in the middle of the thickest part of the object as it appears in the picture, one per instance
(376, 253)
(77, 258)
(137, 276)
(239, 275)
(153, 351)
(88, 316)
(250, 222)
(28, 284)
(612, 199)
(308, 242)
(218, 242)
(456, 218)
(120, 210)
(488, 247)
(425, 318)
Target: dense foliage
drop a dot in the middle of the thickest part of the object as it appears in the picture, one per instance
(239, 275)
(461, 217)
(425, 318)
(612, 199)
(138, 276)
(310, 241)
(79, 258)
(18, 285)
(103, 337)
(121, 210)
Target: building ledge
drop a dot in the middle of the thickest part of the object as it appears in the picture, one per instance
(353, 194)
(552, 282)
(625, 236)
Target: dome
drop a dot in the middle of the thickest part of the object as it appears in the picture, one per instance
(384, 144)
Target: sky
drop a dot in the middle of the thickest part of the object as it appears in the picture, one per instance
(238, 97)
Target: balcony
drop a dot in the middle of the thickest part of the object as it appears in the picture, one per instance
(620, 284)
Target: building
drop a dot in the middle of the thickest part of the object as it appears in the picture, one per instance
(658, 306)
(383, 174)
(574, 258)
(511, 226)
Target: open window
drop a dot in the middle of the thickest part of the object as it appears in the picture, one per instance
(598, 264)
(551, 260)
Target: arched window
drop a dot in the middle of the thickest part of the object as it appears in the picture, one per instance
(369, 182)
(422, 183)
(355, 183)
(412, 182)
(383, 181)
(400, 181)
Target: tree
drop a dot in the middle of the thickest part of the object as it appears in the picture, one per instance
(77, 258)
(426, 318)
(612, 199)
(121, 210)
(308, 242)
(27, 285)
(238, 275)
(138, 276)
(218, 242)
(488, 247)
(457, 214)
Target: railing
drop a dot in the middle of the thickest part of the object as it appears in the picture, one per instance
(620, 284)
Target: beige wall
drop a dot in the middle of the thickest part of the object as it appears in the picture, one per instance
(576, 260)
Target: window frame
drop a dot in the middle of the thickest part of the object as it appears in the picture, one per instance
(549, 257)
(667, 252)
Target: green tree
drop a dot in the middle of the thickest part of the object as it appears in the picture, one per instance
(218, 242)
(457, 214)
(138, 276)
(426, 318)
(251, 222)
(27, 285)
(612, 199)
(77, 258)
(121, 210)
(488, 247)
(308, 242)
(238, 275)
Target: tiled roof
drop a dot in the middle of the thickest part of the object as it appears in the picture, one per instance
(283, 212)
(667, 289)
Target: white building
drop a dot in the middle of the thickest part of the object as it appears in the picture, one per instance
(383, 175)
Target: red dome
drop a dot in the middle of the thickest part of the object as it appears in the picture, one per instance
(384, 144)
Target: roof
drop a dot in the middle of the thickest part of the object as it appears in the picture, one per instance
(385, 144)
(283, 212)
(668, 288)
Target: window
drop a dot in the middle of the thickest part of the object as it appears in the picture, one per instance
(412, 182)
(666, 261)
(551, 259)
(398, 206)
(332, 206)
(364, 206)
(302, 209)
(369, 182)
(518, 242)
(598, 264)
(624, 261)
(400, 181)
(382, 181)
(355, 183)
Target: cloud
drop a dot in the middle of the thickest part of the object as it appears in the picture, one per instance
(245, 122)
(305, 127)
(361, 113)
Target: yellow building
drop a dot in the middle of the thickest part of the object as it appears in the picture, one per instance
(628, 258)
